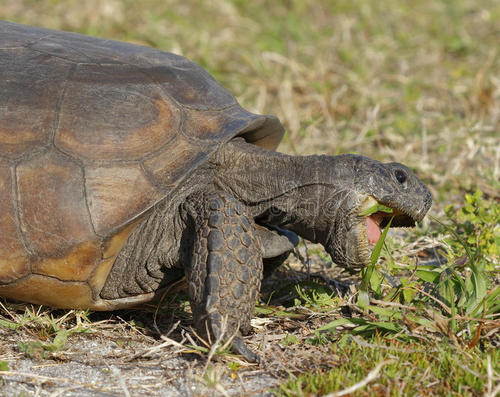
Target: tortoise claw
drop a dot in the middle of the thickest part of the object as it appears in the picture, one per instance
(240, 347)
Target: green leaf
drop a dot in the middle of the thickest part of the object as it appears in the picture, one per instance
(367, 272)
(9, 324)
(388, 326)
(376, 208)
(380, 244)
(59, 340)
(387, 312)
(273, 311)
(33, 349)
(363, 298)
(376, 282)
(334, 324)
(375, 325)
(390, 264)
(428, 275)
(492, 302)
(479, 289)
(446, 291)
(408, 295)
(43, 349)
(289, 340)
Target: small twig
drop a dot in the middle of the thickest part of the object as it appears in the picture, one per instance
(150, 351)
(476, 374)
(168, 290)
(170, 342)
(372, 375)
(7, 311)
(191, 340)
(215, 344)
(440, 303)
(172, 328)
(489, 371)
(494, 392)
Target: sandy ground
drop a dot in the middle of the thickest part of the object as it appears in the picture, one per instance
(92, 365)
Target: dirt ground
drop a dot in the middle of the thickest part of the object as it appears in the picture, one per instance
(135, 353)
(96, 366)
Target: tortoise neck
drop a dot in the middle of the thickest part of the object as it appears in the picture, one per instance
(278, 188)
(252, 174)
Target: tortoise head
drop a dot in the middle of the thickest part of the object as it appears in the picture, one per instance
(360, 196)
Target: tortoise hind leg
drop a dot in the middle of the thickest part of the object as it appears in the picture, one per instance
(225, 269)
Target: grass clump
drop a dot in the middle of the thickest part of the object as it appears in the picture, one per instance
(410, 370)
(437, 322)
(37, 349)
(476, 228)
(49, 330)
(461, 291)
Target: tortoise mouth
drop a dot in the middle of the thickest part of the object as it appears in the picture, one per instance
(369, 228)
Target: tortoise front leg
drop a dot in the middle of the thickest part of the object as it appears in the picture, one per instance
(225, 270)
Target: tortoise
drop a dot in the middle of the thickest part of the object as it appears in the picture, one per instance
(124, 168)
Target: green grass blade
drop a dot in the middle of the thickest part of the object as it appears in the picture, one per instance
(367, 273)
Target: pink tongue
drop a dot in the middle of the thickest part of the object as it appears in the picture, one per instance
(373, 230)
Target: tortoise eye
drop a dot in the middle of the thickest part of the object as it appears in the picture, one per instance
(401, 176)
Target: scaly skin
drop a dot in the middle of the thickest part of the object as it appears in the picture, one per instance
(225, 269)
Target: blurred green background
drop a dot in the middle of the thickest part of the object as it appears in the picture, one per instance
(410, 81)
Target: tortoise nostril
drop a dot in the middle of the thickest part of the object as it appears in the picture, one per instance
(401, 176)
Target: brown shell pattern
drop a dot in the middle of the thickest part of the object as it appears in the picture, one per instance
(93, 133)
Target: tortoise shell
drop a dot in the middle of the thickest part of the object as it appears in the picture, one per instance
(93, 134)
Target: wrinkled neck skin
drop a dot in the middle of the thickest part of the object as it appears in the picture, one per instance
(312, 196)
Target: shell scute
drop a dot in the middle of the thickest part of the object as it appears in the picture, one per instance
(77, 264)
(114, 113)
(52, 208)
(30, 86)
(191, 86)
(49, 291)
(177, 160)
(116, 194)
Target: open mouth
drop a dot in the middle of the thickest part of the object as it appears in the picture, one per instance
(374, 218)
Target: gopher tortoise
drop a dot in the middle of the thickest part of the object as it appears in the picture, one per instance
(124, 168)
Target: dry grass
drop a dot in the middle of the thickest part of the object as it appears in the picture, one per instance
(415, 82)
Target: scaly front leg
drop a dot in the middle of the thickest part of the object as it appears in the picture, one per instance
(225, 269)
